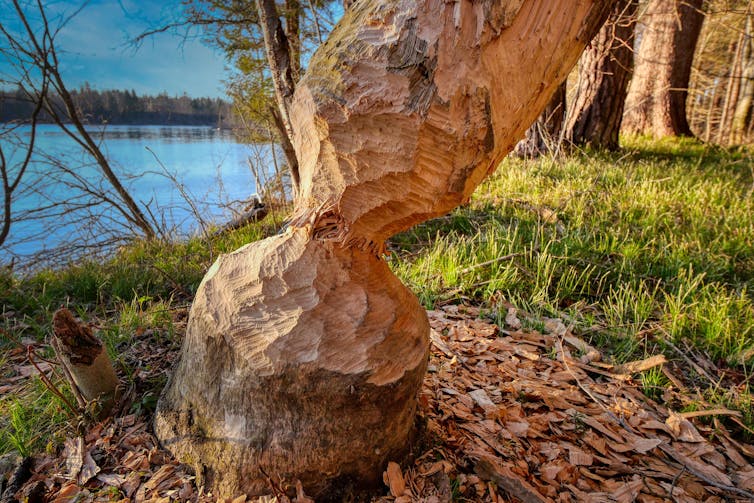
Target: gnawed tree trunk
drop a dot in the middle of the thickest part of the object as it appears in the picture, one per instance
(656, 102)
(604, 72)
(85, 361)
(304, 353)
(543, 137)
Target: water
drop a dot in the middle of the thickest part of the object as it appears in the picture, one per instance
(209, 165)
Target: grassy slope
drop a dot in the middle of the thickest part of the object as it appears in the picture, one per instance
(634, 249)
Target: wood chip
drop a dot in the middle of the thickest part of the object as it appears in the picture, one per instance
(395, 480)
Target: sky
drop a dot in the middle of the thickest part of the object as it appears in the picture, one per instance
(93, 46)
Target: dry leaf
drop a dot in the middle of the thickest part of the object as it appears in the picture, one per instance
(512, 320)
(682, 429)
(73, 452)
(480, 397)
(395, 479)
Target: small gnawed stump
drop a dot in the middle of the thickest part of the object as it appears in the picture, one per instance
(308, 369)
(85, 360)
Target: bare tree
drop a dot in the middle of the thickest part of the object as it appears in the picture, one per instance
(13, 175)
(34, 71)
(304, 353)
(34, 51)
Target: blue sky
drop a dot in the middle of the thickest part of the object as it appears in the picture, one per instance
(93, 47)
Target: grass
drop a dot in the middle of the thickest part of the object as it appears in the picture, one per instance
(137, 290)
(640, 251)
(635, 248)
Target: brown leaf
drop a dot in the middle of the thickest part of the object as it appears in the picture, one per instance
(73, 452)
(682, 429)
(578, 457)
(395, 479)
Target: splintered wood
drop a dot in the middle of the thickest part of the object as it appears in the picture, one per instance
(537, 417)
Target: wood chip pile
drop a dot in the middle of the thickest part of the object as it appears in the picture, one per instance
(519, 415)
(506, 415)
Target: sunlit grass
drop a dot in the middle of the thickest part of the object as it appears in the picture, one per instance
(653, 243)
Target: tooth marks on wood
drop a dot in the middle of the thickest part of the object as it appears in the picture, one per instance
(80, 345)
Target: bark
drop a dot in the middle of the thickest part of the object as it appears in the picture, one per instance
(278, 52)
(304, 354)
(543, 137)
(604, 72)
(743, 111)
(85, 360)
(292, 30)
(656, 102)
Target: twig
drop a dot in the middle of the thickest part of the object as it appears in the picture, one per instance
(675, 481)
(691, 362)
(48, 384)
(725, 487)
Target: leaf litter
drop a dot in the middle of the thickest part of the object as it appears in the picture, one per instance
(507, 415)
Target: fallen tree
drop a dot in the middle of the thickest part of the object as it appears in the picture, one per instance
(304, 353)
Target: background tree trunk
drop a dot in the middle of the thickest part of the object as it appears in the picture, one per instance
(743, 111)
(605, 69)
(656, 102)
(304, 354)
(283, 69)
(543, 137)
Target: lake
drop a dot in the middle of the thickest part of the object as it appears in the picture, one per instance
(208, 165)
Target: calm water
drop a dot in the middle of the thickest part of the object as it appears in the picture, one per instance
(209, 164)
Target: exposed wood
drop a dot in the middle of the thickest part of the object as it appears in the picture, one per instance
(304, 354)
(409, 106)
(85, 360)
(307, 369)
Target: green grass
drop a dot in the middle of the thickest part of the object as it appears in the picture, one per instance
(636, 250)
(648, 244)
(138, 289)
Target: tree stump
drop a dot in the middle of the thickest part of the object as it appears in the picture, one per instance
(85, 361)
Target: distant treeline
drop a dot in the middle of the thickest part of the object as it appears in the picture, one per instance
(124, 107)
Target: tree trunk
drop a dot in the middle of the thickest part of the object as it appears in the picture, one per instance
(656, 102)
(293, 13)
(85, 361)
(304, 354)
(282, 70)
(743, 111)
(543, 137)
(604, 72)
